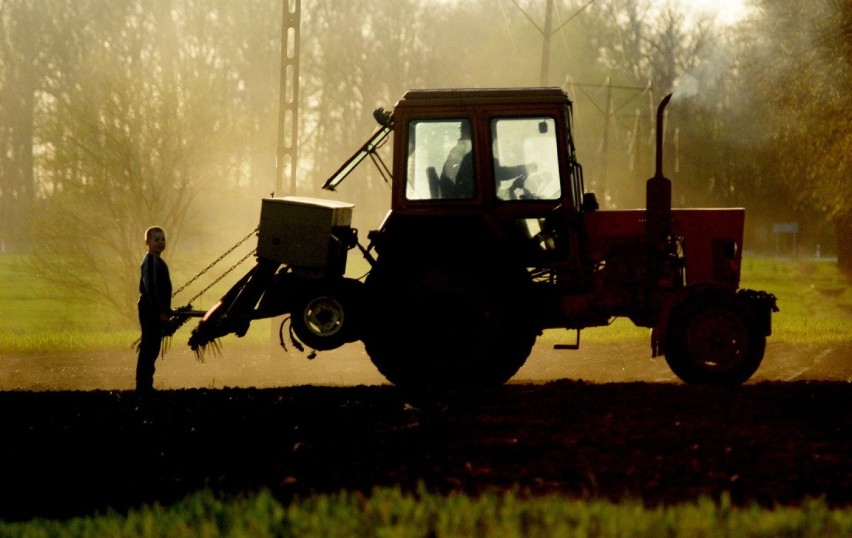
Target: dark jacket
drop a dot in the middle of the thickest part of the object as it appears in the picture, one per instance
(155, 287)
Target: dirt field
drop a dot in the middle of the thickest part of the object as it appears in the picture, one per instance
(603, 421)
(268, 367)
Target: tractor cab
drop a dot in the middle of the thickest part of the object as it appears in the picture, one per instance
(502, 158)
(502, 148)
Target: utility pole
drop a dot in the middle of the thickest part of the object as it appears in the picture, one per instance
(636, 158)
(608, 113)
(288, 118)
(288, 96)
(545, 47)
(547, 32)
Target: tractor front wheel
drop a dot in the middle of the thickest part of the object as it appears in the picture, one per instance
(324, 317)
(713, 342)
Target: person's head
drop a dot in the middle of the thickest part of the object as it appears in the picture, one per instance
(155, 238)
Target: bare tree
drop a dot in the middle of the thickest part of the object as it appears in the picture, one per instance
(131, 145)
(32, 35)
(354, 60)
(643, 52)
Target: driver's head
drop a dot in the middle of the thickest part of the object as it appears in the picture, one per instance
(464, 130)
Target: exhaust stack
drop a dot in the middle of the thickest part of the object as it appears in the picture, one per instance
(658, 191)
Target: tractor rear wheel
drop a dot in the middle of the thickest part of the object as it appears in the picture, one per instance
(434, 325)
(712, 342)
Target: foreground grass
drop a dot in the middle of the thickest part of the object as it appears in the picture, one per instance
(388, 512)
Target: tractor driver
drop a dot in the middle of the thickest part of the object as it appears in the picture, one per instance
(457, 173)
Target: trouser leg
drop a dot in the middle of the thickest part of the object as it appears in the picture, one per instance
(149, 350)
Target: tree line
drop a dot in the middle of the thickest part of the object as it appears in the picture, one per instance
(118, 115)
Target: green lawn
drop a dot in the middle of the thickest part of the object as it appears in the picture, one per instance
(33, 320)
(814, 297)
(815, 301)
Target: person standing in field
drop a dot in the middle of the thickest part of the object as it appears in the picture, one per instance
(155, 298)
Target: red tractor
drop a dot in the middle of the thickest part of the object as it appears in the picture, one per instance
(491, 238)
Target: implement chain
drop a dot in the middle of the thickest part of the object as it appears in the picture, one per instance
(217, 260)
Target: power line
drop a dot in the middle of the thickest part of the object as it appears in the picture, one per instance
(547, 32)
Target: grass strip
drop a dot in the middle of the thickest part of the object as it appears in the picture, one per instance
(391, 513)
(815, 300)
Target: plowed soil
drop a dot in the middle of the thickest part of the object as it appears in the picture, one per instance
(606, 422)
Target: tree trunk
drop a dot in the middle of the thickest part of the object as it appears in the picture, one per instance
(843, 227)
(21, 80)
(17, 188)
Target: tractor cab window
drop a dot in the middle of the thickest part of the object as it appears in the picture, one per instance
(526, 161)
(440, 160)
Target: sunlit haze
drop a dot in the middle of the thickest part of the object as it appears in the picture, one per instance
(726, 12)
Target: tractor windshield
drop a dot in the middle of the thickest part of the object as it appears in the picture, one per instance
(526, 159)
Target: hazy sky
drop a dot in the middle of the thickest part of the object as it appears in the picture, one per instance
(726, 11)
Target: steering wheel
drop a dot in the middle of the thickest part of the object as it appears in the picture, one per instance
(519, 191)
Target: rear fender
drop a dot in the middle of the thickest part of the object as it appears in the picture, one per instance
(757, 306)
